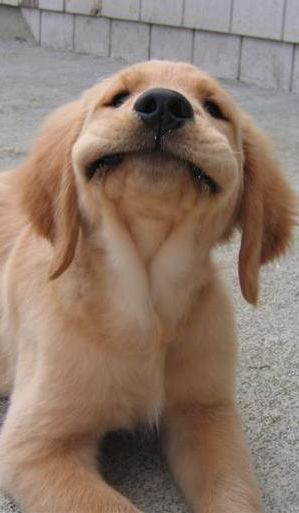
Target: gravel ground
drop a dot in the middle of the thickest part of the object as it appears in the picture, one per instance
(32, 82)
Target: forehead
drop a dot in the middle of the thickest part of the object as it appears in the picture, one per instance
(172, 75)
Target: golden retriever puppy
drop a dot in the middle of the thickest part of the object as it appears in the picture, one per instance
(112, 311)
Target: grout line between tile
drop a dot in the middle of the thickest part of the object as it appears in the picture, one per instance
(149, 42)
(231, 13)
(183, 13)
(283, 18)
(110, 38)
(240, 57)
(193, 46)
(291, 84)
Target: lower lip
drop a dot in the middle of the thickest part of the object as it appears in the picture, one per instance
(109, 162)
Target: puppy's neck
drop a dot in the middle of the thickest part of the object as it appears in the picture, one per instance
(149, 200)
(156, 267)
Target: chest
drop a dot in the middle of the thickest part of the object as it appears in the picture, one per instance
(145, 291)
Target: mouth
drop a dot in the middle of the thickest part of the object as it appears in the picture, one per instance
(108, 163)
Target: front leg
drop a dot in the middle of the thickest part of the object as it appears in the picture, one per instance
(62, 478)
(202, 433)
(48, 443)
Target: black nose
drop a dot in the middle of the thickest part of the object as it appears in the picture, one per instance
(163, 110)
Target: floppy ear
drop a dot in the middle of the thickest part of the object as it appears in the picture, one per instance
(267, 210)
(48, 188)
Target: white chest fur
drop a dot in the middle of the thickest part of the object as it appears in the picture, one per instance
(160, 287)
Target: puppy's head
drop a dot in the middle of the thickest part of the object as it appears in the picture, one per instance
(161, 141)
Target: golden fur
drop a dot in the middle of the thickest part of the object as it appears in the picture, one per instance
(112, 311)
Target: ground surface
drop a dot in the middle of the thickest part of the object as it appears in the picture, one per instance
(32, 82)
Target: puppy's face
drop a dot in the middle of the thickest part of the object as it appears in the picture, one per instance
(158, 144)
(160, 140)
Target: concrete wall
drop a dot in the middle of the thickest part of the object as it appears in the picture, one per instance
(256, 41)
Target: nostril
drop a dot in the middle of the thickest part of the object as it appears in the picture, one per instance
(149, 105)
(180, 109)
(176, 109)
